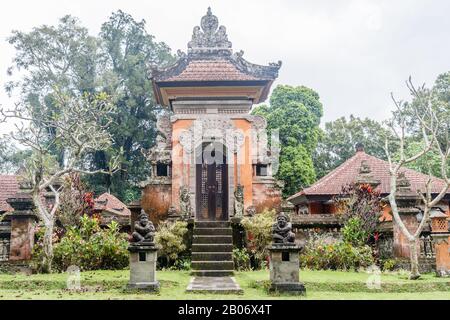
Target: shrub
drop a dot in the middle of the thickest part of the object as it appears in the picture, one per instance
(360, 208)
(259, 234)
(388, 264)
(170, 240)
(354, 233)
(339, 255)
(92, 248)
(241, 259)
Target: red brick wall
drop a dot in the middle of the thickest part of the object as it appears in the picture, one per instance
(156, 200)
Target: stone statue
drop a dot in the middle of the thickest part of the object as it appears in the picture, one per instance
(185, 202)
(282, 230)
(239, 201)
(144, 231)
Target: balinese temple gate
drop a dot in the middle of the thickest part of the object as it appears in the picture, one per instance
(211, 154)
(211, 162)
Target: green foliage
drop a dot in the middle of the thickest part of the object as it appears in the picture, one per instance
(338, 255)
(354, 233)
(337, 144)
(430, 163)
(66, 57)
(296, 113)
(90, 247)
(170, 240)
(241, 259)
(389, 264)
(296, 169)
(360, 208)
(259, 234)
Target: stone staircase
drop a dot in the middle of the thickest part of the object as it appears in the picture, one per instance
(212, 249)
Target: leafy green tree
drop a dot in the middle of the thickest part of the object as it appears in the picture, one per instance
(337, 144)
(66, 58)
(296, 113)
(11, 158)
(128, 51)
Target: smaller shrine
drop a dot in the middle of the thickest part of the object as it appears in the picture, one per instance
(284, 258)
(143, 255)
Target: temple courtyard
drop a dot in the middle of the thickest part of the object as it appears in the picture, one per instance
(320, 285)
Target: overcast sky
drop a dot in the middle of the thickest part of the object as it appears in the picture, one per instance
(352, 52)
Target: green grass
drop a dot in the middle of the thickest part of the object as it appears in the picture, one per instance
(319, 285)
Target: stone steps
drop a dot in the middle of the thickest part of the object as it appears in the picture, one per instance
(213, 265)
(212, 273)
(213, 231)
(212, 224)
(212, 248)
(212, 256)
(210, 239)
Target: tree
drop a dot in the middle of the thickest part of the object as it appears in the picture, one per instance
(296, 113)
(337, 144)
(128, 51)
(11, 158)
(116, 62)
(79, 128)
(429, 116)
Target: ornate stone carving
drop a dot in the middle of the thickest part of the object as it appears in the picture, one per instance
(250, 211)
(282, 230)
(239, 201)
(144, 231)
(210, 38)
(164, 126)
(185, 202)
(234, 140)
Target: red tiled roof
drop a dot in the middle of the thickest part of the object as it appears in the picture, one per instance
(8, 188)
(107, 202)
(211, 70)
(347, 172)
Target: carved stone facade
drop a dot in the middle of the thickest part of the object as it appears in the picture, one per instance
(210, 92)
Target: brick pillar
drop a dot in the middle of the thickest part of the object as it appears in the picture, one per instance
(441, 239)
(407, 202)
(22, 225)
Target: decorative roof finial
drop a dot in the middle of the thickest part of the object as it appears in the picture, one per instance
(210, 39)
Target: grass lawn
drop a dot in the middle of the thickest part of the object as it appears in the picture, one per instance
(319, 285)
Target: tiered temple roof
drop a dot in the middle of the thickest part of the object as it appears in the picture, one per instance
(350, 171)
(211, 64)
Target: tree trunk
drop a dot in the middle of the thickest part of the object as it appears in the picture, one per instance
(47, 248)
(414, 258)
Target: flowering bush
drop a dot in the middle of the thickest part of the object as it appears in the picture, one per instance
(360, 208)
(170, 241)
(91, 247)
(338, 255)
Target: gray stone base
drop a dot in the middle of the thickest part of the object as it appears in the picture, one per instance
(221, 285)
(291, 288)
(145, 286)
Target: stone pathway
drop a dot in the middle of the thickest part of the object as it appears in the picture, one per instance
(214, 285)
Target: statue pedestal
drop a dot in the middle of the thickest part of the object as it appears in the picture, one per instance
(143, 267)
(284, 269)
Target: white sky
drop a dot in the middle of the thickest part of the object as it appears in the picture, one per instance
(352, 52)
